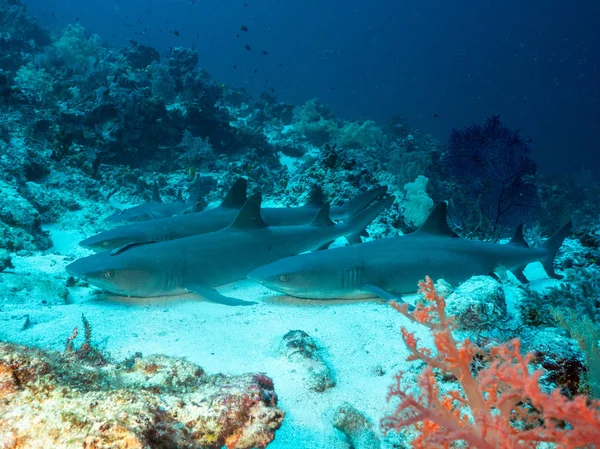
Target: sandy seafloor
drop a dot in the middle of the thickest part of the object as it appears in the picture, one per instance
(359, 339)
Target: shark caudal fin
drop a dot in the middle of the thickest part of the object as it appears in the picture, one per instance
(358, 223)
(552, 245)
(361, 202)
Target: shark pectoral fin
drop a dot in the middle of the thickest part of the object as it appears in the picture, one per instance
(384, 294)
(324, 245)
(518, 272)
(353, 239)
(212, 295)
(494, 276)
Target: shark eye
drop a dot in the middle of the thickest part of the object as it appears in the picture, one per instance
(109, 274)
(283, 278)
(105, 243)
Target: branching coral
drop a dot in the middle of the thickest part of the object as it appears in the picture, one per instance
(500, 407)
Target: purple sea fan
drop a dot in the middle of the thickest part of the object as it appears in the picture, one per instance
(491, 164)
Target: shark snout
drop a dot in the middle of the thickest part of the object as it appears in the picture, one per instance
(75, 269)
(255, 275)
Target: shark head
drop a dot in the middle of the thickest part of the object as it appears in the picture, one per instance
(116, 274)
(305, 276)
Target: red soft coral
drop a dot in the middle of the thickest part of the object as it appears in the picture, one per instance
(501, 407)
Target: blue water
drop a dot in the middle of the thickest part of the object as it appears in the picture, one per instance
(439, 63)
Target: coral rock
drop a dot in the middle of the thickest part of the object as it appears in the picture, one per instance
(478, 303)
(357, 428)
(60, 401)
(299, 347)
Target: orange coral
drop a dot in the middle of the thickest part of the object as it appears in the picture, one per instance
(501, 407)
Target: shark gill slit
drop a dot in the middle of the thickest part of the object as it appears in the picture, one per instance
(174, 278)
(352, 277)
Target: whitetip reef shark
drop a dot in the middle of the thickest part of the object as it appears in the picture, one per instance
(199, 263)
(210, 220)
(391, 267)
(153, 209)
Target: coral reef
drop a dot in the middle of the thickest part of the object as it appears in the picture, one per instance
(499, 405)
(63, 401)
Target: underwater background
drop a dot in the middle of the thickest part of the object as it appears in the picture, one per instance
(534, 63)
(164, 164)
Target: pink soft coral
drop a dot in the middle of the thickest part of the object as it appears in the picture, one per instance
(502, 407)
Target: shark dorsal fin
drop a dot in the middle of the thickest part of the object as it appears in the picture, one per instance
(518, 239)
(315, 198)
(127, 246)
(322, 219)
(236, 197)
(155, 193)
(437, 222)
(249, 217)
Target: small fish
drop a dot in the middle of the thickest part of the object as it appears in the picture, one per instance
(237, 34)
(176, 33)
(244, 28)
(248, 47)
(255, 70)
(265, 53)
(434, 115)
(235, 67)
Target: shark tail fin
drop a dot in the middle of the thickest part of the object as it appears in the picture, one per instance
(358, 223)
(361, 202)
(552, 245)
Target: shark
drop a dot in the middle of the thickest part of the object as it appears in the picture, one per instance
(155, 208)
(200, 263)
(391, 267)
(211, 220)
